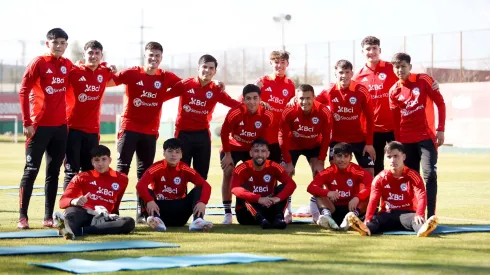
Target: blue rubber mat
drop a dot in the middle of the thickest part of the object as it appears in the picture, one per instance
(29, 234)
(80, 266)
(80, 247)
(447, 229)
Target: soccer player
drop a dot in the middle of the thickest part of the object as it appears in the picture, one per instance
(163, 189)
(403, 199)
(412, 102)
(90, 192)
(259, 199)
(341, 190)
(351, 106)
(42, 101)
(198, 97)
(84, 99)
(243, 124)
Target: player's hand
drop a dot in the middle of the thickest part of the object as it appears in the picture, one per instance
(266, 202)
(152, 208)
(199, 209)
(266, 105)
(440, 138)
(259, 84)
(113, 68)
(292, 102)
(319, 166)
(80, 201)
(370, 150)
(276, 200)
(435, 85)
(353, 203)
(227, 161)
(29, 131)
(418, 220)
(289, 169)
(333, 195)
(220, 84)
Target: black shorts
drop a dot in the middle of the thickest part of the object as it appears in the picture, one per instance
(237, 156)
(308, 153)
(340, 212)
(364, 161)
(275, 153)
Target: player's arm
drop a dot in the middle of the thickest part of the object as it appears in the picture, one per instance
(123, 186)
(236, 188)
(31, 75)
(365, 186)
(286, 131)
(142, 186)
(374, 198)
(438, 99)
(226, 100)
(226, 128)
(395, 110)
(177, 90)
(326, 133)
(73, 191)
(367, 110)
(284, 178)
(197, 180)
(316, 187)
(322, 97)
(419, 193)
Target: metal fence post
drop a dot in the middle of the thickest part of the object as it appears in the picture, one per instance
(306, 64)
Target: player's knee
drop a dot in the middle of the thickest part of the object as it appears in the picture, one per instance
(128, 225)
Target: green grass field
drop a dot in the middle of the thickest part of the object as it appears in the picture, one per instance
(464, 192)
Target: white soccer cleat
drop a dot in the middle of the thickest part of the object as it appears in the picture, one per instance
(200, 225)
(228, 219)
(156, 223)
(429, 226)
(345, 222)
(326, 221)
(358, 225)
(63, 228)
(315, 216)
(288, 216)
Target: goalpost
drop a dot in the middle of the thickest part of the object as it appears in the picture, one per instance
(16, 120)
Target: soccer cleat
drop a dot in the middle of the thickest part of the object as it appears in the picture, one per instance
(63, 228)
(315, 216)
(288, 216)
(279, 224)
(23, 224)
(345, 222)
(49, 223)
(302, 212)
(265, 224)
(200, 225)
(429, 226)
(156, 223)
(140, 220)
(358, 225)
(228, 219)
(326, 221)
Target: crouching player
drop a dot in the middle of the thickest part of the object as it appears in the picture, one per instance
(403, 199)
(341, 190)
(91, 200)
(254, 183)
(163, 189)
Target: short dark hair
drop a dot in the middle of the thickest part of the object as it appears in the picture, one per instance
(250, 88)
(100, 151)
(342, 148)
(399, 57)
(394, 145)
(94, 44)
(208, 58)
(343, 64)
(306, 88)
(261, 141)
(56, 33)
(279, 55)
(172, 143)
(152, 45)
(370, 40)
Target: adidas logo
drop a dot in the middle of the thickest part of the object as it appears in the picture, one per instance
(296, 120)
(336, 100)
(140, 83)
(251, 179)
(269, 89)
(191, 91)
(82, 79)
(93, 183)
(387, 186)
(163, 178)
(334, 182)
(49, 71)
(364, 79)
(371, 163)
(241, 123)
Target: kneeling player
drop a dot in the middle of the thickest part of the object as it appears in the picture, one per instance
(403, 198)
(163, 189)
(91, 200)
(341, 190)
(259, 199)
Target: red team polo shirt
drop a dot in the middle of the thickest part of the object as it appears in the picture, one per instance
(42, 92)
(105, 189)
(262, 183)
(378, 82)
(404, 193)
(241, 128)
(300, 131)
(412, 103)
(349, 107)
(277, 92)
(351, 182)
(170, 183)
(143, 98)
(84, 97)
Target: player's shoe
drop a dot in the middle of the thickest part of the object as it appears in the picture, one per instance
(228, 219)
(265, 224)
(326, 221)
(49, 223)
(429, 226)
(140, 219)
(63, 228)
(156, 223)
(200, 225)
(279, 224)
(23, 224)
(345, 222)
(288, 216)
(302, 212)
(358, 225)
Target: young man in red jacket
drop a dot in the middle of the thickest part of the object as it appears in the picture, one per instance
(163, 190)
(403, 199)
(92, 199)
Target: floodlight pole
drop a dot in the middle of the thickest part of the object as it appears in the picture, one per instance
(282, 18)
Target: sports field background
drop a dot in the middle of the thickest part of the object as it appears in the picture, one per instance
(464, 192)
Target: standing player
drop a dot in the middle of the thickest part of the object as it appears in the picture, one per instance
(84, 99)
(412, 102)
(403, 199)
(42, 101)
(259, 199)
(341, 190)
(167, 201)
(243, 124)
(351, 106)
(87, 192)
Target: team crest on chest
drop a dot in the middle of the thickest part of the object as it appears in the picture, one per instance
(285, 92)
(267, 178)
(350, 182)
(416, 91)
(100, 78)
(157, 84)
(63, 69)
(382, 76)
(404, 187)
(315, 120)
(209, 95)
(258, 124)
(177, 180)
(115, 186)
(352, 100)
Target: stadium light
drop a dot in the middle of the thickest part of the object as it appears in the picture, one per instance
(282, 18)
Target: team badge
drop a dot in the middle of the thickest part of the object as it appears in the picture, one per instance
(258, 124)
(209, 95)
(416, 91)
(352, 100)
(267, 178)
(177, 180)
(382, 76)
(157, 84)
(285, 92)
(315, 120)
(115, 186)
(63, 69)
(350, 182)
(100, 78)
(404, 187)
